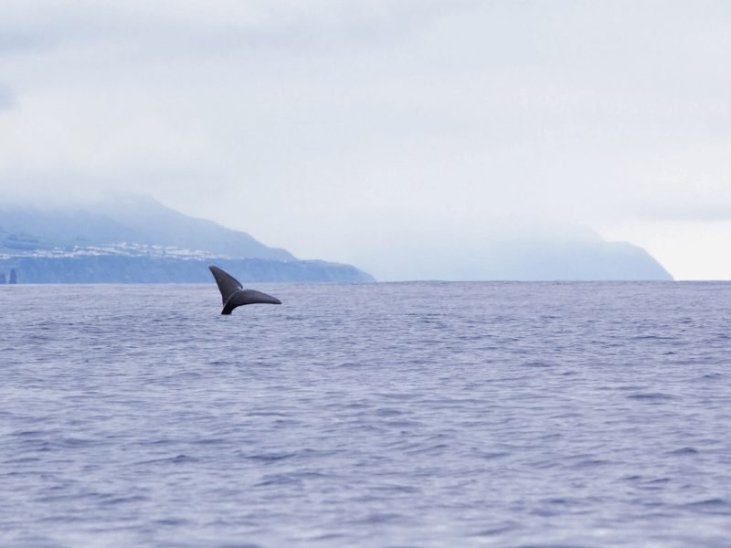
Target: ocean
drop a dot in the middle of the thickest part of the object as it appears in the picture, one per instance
(405, 414)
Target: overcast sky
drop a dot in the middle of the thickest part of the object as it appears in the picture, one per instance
(340, 129)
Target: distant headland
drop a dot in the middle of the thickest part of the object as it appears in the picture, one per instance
(139, 240)
(504, 249)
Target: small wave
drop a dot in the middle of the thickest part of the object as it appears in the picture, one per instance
(269, 457)
(379, 518)
(178, 459)
(21, 460)
(404, 424)
(318, 538)
(266, 414)
(278, 480)
(658, 481)
(711, 506)
(297, 478)
(684, 451)
(711, 376)
(397, 489)
(158, 442)
(652, 396)
(496, 531)
(171, 522)
(493, 455)
(388, 412)
(210, 441)
(30, 433)
(652, 338)
(114, 501)
(438, 449)
(78, 442)
(590, 463)
(561, 501)
(538, 364)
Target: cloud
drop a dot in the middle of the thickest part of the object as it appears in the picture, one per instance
(7, 98)
(412, 116)
(703, 210)
(13, 43)
(192, 28)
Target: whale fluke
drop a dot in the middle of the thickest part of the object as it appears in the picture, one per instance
(233, 293)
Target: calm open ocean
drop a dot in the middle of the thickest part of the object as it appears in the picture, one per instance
(418, 414)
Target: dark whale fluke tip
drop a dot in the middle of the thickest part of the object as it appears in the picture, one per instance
(233, 293)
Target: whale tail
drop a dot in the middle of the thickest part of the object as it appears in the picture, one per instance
(233, 293)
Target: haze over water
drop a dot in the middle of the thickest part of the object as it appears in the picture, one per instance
(417, 414)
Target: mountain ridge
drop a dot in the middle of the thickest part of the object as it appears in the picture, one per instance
(139, 240)
(141, 220)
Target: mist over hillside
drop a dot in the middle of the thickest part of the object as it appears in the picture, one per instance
(138, 240)
(129, 219)
(516, 250)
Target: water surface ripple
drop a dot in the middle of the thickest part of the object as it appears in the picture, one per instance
(421, 414)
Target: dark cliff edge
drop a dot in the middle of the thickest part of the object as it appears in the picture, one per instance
(140, 270)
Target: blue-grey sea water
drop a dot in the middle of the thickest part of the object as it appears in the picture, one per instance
(418, 414)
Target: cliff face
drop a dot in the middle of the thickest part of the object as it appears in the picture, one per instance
(121, 269)
(141, 241)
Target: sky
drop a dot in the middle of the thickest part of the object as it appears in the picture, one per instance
(352, 130)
